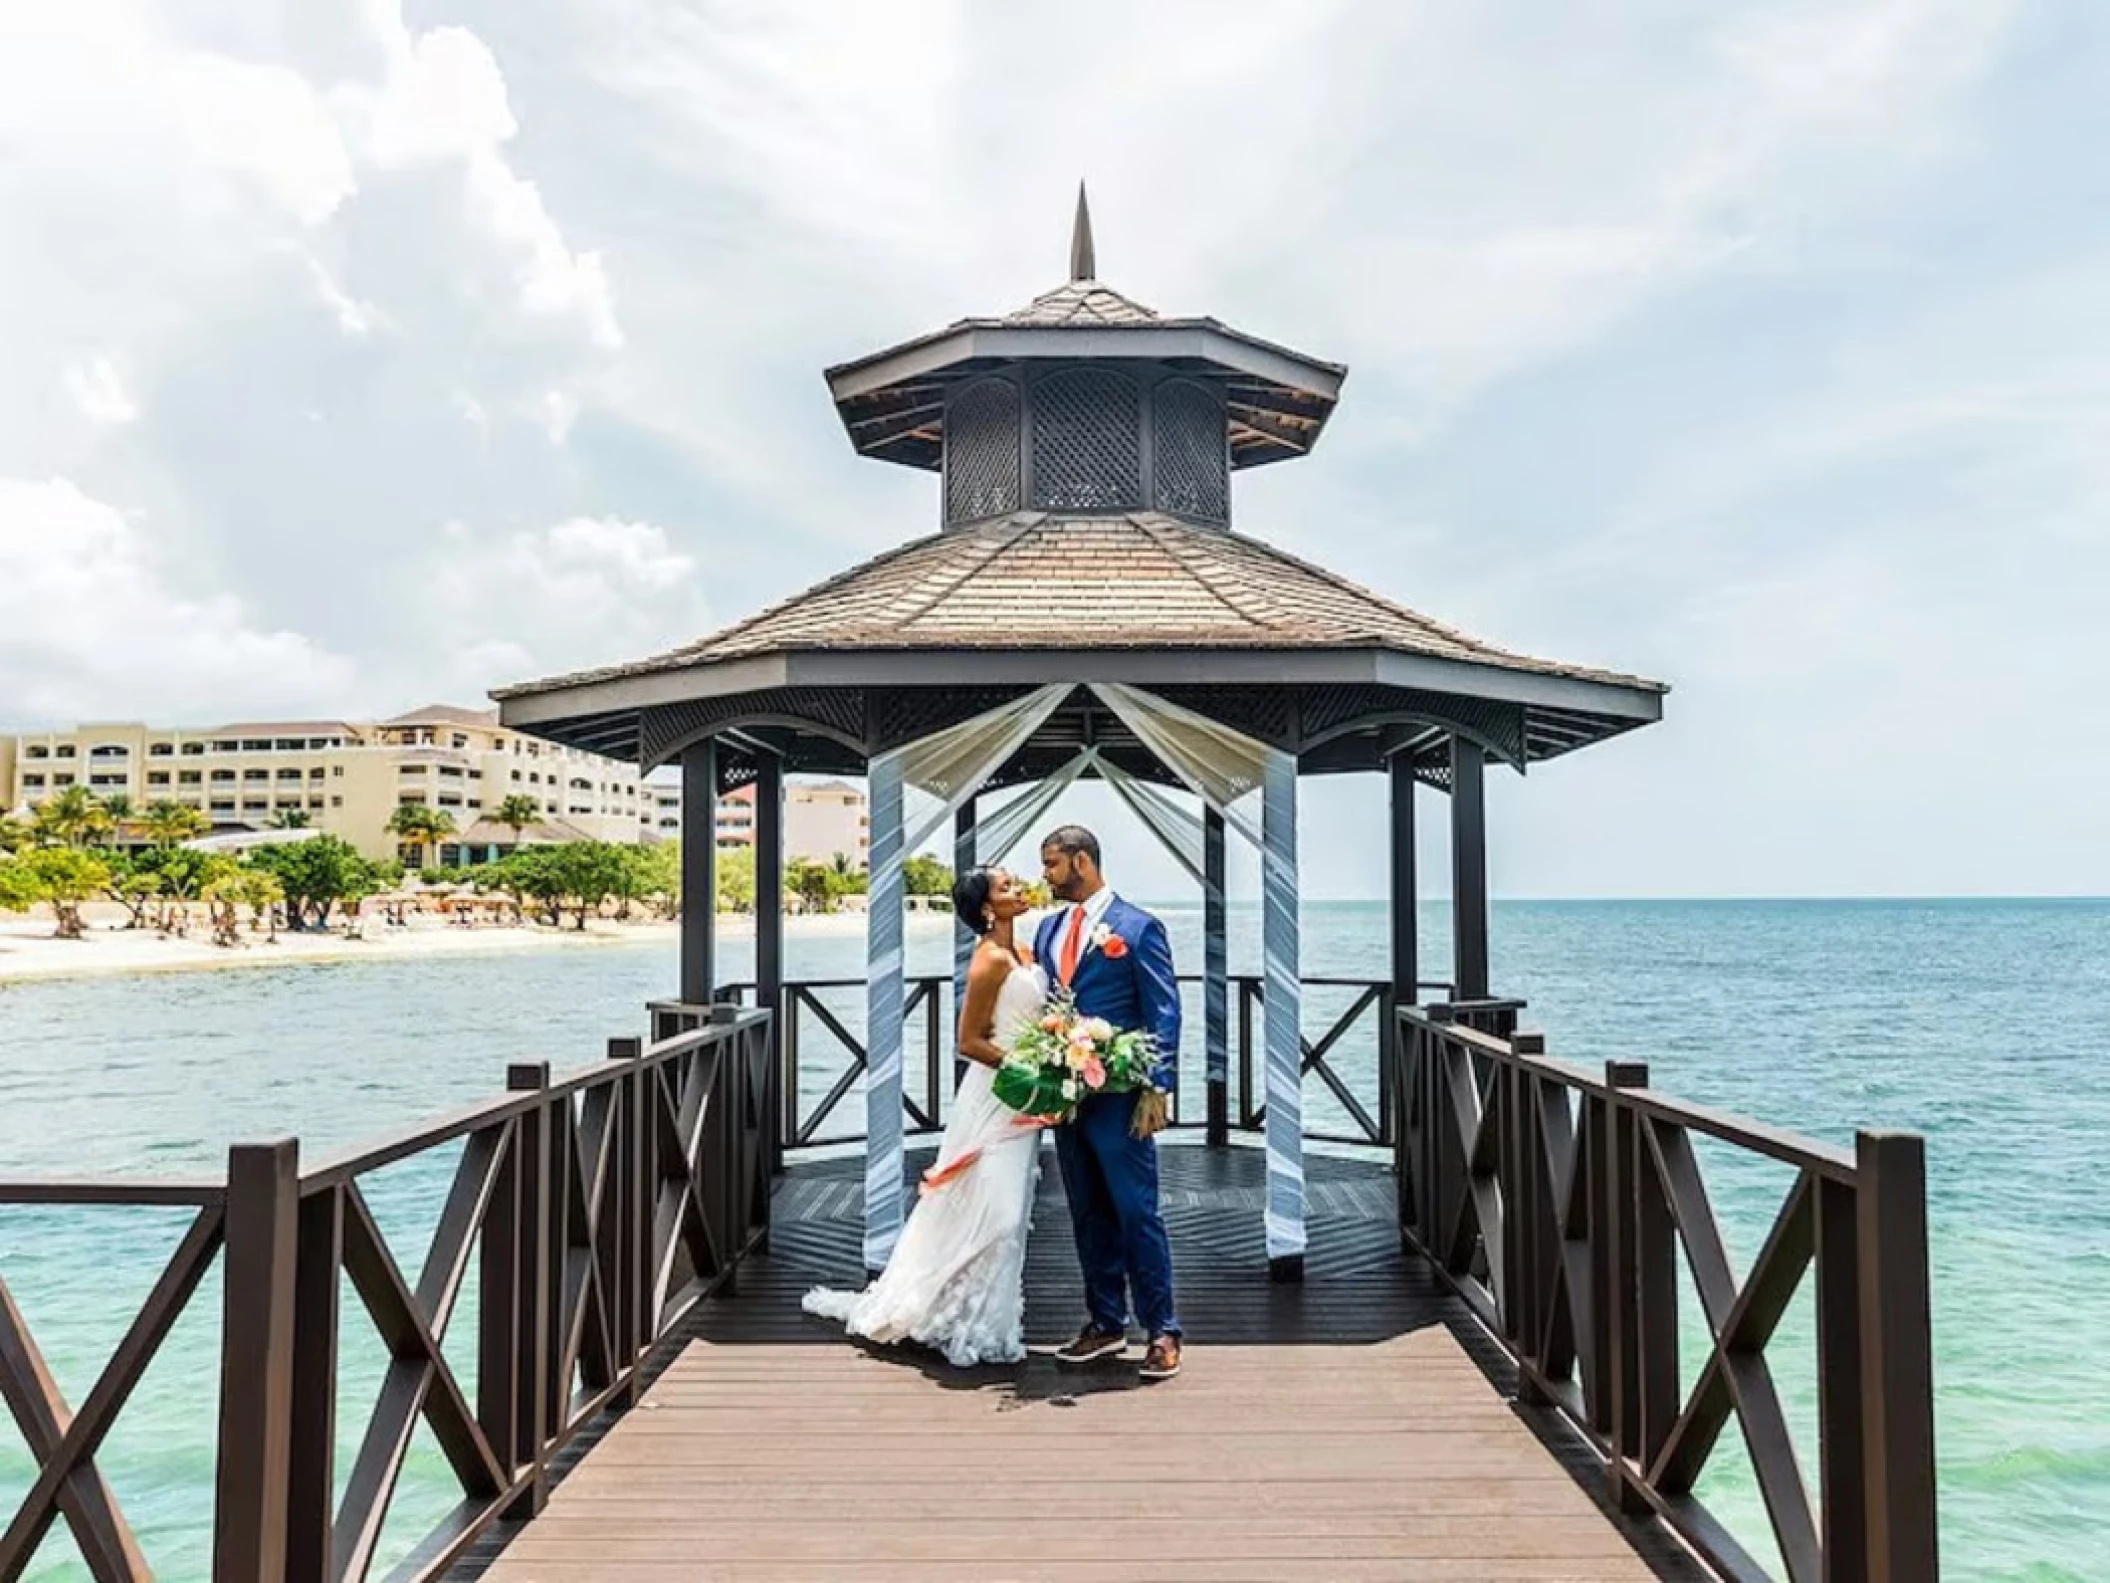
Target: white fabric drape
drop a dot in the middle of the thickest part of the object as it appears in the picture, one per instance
(952, 764)
(1178, 831)
(1219, 765)
(997, 835)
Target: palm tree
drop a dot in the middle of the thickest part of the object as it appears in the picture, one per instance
(14, 833)
(517, 812)
(169, 824)
(420, 825)
(289, 819)
(73, 817)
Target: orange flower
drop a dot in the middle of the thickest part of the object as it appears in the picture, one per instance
(1115, 947)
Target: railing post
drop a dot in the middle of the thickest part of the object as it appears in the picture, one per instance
(1398, 1056)
(1245, 1053)
(1897, 1364)
(1840, 1443)
(764, 1033)
(256, 1361)
(1435, 1130)
(1618, 1298)
(724, 1141)
(934, 1059)
(531, 1293)
(788, 1054)
(628, 1218)
(311, 1510)
(1524, 1225)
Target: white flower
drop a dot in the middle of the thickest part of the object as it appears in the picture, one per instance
(1101, 935)
(1097, 1029)
(1069, 1089)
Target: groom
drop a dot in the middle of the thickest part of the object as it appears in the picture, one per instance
(1117, 963)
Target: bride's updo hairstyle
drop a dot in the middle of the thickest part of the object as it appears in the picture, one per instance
(970, 898)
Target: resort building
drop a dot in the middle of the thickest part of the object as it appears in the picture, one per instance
(342, 777)
(821, 820)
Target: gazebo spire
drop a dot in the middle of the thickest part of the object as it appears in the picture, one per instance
(1084, 265)
(1045, 408)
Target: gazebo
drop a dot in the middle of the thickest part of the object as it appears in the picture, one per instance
(1085, 445)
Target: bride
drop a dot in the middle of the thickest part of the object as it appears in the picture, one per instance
(956, 1281)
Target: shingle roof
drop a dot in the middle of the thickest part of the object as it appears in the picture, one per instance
(1154, 581)
(278, 728)
(1083, 303)
(445, 715)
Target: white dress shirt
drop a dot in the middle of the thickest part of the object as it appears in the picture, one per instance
(1094, 910)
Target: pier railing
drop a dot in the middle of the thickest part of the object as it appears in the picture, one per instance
(1559, 1203)
(821, 1018)
(596, 1209)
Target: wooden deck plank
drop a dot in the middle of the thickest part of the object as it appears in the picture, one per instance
(1344, 1429)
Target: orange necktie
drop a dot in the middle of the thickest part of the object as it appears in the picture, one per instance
(1072, 945)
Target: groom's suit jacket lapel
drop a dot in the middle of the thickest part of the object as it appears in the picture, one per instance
(1047, 948)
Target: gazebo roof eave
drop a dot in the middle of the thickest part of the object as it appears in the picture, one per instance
(576, 702)
(1200, 340)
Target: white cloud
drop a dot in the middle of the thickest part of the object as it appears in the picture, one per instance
(91, 625)
(96, 388)
(442, 100)
(264, 124)
(580, 592)
(557, 411)
(357, 320)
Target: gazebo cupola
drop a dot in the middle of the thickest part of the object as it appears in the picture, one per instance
(1085, 402)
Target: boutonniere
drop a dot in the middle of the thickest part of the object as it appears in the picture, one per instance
(1104, 939)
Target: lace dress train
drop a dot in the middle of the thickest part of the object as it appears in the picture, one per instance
(956, 1281)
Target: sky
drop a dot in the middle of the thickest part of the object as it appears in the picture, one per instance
(356, 354)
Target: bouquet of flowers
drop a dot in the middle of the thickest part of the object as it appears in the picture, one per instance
(1061, 1057)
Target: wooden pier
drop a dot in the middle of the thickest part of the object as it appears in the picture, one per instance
(1477, 1374)
(1356, 1426)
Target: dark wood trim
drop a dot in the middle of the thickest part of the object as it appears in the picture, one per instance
(256, 1361)
(1216, 984)
(699, 870)
(769, 920)
(1573, 1267)
(1469, 869)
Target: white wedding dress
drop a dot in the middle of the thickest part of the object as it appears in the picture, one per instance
(956, 1281)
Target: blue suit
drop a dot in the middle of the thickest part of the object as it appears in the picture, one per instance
(1111, 1177)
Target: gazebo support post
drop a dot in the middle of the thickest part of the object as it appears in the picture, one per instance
(1216, 980)
(769, 933)
(1406, 922)
(884, 1159)
(699, 871)
(1469, 869)
(1283, 1022)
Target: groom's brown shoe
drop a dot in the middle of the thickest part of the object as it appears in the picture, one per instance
(1091, 1345)
(1162, 1361)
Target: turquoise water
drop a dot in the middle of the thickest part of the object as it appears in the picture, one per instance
(1979, 1023)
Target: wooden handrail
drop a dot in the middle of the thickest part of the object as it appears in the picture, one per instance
(598, 1208)
(1558, 1204)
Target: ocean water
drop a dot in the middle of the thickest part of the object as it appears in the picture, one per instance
(1979, 1023)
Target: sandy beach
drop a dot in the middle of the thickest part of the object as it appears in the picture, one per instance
(28, 951)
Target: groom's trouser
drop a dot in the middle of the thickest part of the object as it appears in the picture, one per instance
(1112, 1182)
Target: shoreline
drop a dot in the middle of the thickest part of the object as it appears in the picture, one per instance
(30, 955)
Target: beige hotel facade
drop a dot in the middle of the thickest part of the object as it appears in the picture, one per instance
(348, 778)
